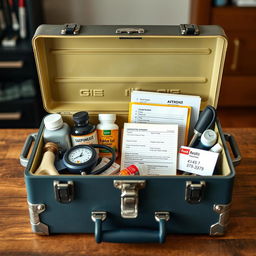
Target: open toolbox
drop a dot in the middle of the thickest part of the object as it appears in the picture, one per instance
(94, 69)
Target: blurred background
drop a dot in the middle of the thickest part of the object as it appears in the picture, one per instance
(20, 99)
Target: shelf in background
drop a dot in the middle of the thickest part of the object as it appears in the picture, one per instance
(23, 46)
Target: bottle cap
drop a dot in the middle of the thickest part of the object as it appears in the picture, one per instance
(107, 117)
(217, 148)
(209, 138)
(53, 122)
(81, 117)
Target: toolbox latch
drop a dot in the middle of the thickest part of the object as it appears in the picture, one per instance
(70, 29)
(194, 192)
(64, 191)
(129, 196)
(189, 29)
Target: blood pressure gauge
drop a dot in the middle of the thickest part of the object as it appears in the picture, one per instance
(84, 158)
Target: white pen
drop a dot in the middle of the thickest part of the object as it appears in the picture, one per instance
(15, 23)
(22, 18)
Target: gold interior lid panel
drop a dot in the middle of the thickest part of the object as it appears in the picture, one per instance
(97, 74)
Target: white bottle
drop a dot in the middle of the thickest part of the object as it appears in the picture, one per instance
(57, 131)
(108, 133)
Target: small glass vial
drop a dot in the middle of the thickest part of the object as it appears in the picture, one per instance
(57, 131)
(108, 133)
(207, 140)
(83, 132)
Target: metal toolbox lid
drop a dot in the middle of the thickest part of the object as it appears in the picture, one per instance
(97, 69)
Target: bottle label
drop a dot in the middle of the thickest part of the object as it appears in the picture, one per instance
(108, 138)
(130, 170)
(87, 139)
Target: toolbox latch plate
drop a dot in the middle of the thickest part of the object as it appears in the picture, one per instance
(129, 196)
(194, 192)
(189, 29)
(70, 29)
(64, 191)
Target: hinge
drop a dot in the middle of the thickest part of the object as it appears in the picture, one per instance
(99, 215)
(130, 31)
(194, 192)
(162, 216)
(36, 225)
(189, 29)
(129, 196)
(64, 191)
(70, 29)
(219, 228)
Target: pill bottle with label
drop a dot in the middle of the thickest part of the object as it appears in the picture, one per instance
(108, 133)
(83, 132)
(133, 169)
(57, 131)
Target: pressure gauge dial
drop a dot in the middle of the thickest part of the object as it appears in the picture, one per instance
(80, 155)
(80, 158)
(84, 158)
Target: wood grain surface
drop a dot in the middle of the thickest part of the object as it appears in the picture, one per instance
(16, 237)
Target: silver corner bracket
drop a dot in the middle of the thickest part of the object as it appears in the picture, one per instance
(37, 226)
(219, 228)
(129, 196)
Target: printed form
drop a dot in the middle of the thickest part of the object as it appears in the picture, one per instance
(162, 114)
(171, 99)
(153, 145)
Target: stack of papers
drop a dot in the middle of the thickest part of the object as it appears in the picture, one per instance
(171, 99)
(162, 114)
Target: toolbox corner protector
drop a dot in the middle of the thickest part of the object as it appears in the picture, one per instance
(37, 226)
(219, 228)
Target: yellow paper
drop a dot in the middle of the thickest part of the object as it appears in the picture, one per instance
(162, 114)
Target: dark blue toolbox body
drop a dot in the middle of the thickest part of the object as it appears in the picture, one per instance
(90, 68)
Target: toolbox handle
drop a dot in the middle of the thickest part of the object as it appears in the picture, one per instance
(131, 235)
(26, 148)
(234, 147)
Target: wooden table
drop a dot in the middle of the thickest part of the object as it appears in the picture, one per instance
(16, 237)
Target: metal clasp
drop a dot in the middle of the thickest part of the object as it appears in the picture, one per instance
(189, 29)
(70, 29)
(64, 191)
(194, 192)
(130, 30)
(129, 196)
